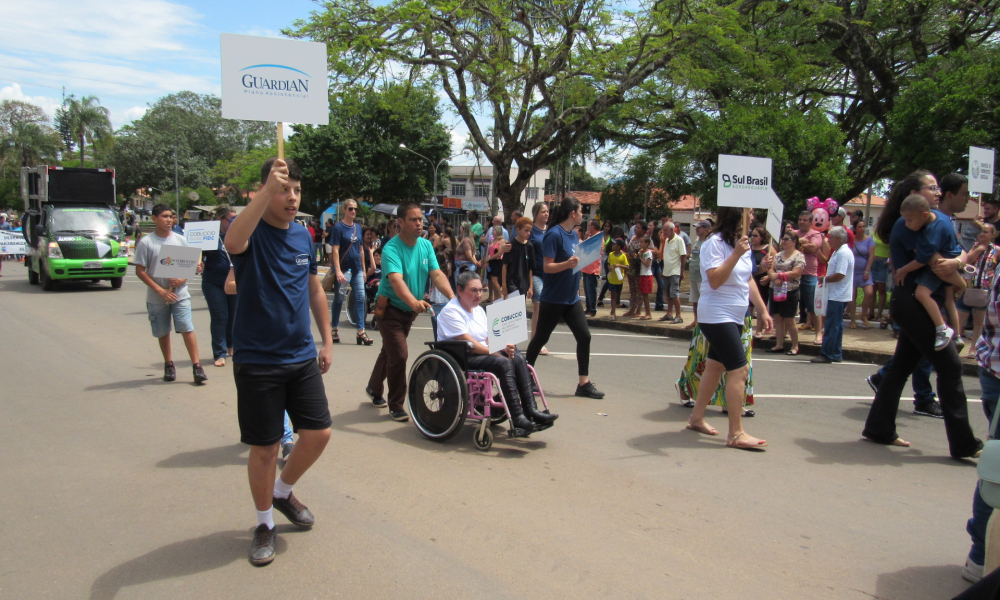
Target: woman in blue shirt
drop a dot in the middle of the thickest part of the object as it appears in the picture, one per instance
(560, 296)
(221, 306)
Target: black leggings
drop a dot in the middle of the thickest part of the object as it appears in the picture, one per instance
(548, 318)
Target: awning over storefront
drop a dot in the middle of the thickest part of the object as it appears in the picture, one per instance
(385, 209)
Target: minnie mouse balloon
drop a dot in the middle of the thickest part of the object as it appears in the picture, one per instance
(821, 211)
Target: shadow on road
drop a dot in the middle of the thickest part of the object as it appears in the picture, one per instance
(180, 559)
(221, 456)
(941, 581)
(658, 443)
(406, 433)
(862, 452)
(130, 384)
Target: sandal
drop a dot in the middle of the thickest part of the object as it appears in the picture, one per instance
(740, 444)
(775, 350)
(544, 351)
(793, 352)
(703, 428)
(220, 362)
(363, 339)
(335, 336)
(646, 318)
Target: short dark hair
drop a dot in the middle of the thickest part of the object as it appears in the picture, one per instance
(952, 182)
(294, 172)
(915, 203)
(161, 208)
(406, 207)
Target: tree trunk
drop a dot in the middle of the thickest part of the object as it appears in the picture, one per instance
(82, 150)
(509, 192)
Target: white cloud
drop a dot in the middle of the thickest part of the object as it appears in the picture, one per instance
(14, 92)
(136, 112)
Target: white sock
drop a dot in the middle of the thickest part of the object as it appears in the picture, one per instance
(265, 517)
(281, 489)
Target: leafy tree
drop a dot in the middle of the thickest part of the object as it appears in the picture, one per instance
(358, 155)
(26, 139)
(88, 120)
(953, 104)
(636, 192)
(238, 176)
(540, 73)
(191, 126)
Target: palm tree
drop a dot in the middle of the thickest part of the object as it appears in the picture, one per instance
(89, 121)
(26, 139)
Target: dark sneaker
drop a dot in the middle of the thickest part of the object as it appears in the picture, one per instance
(286, 449)
(821, 359)
(294, 511)
(262, 547)
(199, 375)
(399, 415)
(377, 401)
(873, 381)
(931, 409)
(169, 372)
(588, 390)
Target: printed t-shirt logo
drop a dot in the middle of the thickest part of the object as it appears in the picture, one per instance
(302, 260)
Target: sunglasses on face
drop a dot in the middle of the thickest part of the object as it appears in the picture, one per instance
(351, 208)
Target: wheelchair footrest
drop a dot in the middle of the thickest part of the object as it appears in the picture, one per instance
(516, 432)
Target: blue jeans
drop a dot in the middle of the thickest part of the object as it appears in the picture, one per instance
(286, 437)
(920, 380)
(358, 289)
(590, 290)
(807, 294)
(222, 310)
(976, 527)
(833, 330)
(658, 277)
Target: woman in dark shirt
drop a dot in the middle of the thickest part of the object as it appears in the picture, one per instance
(221, 306)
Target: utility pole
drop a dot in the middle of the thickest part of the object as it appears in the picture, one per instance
(177, 189)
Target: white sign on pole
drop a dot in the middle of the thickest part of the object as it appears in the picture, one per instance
(269, 79)
(588, 251)
(176, 262)
(482, 205)
(507, 322)
(981, 170)
(12, 243)
(745, 182)
(203, 234)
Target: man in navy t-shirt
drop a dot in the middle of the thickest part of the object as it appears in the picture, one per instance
(274, 356)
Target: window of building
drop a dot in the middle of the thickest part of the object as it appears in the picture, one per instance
(531, 193)
(482, 190)
(458, 189)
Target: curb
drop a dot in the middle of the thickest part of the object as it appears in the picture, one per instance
(862, 356)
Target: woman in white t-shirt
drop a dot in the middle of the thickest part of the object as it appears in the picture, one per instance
(464, 319)
(727, 287)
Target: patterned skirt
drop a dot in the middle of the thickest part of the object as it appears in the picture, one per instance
(698, 353)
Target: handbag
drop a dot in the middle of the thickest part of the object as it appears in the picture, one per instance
(975, 296)
(988, 468)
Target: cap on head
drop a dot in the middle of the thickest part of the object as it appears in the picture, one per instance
(704, 224)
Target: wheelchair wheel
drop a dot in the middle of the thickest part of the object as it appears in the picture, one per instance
(483, 443)
(437, 395)
(351, 305)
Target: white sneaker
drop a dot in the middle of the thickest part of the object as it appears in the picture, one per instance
(972, 572)
(943, 337)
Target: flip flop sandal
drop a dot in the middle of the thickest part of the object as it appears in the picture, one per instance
(735, 443)
(775, 350)
(793, 352)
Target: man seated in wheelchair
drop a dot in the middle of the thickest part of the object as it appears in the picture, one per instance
(463, 319)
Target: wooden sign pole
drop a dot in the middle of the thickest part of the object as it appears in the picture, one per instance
(281, 140)
(746, 221)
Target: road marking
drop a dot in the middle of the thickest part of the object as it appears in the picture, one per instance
(807, 397)
(853, 364)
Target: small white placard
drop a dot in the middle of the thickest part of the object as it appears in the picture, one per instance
(507, 322)
(482, 205)
(982, 163)
(270, 79)
(12, 243)
(203, 234)
(176, 262)
(745, 181)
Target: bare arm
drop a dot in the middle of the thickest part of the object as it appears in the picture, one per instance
(238, 236)
(321, 315)
(477, 348)
(758, 301)
(167, 295)
(230, 286)
(404, 294)
(551, 266)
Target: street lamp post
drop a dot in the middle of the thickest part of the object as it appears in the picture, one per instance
(429, 161)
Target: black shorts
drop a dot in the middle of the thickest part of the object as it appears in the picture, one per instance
(787, 308)
(265, 392)
(725, 344)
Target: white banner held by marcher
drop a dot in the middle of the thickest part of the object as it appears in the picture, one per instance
(745, 182)
(507, 322)
(774, 216)
(269, 79)
(981, 170)
(12, 242)
(203, 234)
(176, 262)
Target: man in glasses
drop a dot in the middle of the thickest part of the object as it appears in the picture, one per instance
(349, 263)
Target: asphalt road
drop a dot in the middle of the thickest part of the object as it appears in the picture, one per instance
(119, 485)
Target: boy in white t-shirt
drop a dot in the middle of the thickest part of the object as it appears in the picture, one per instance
(645, 275)
(167, 299)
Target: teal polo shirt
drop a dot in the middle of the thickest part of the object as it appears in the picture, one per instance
(414, 263)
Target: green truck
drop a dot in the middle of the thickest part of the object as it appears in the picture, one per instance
(72, 230)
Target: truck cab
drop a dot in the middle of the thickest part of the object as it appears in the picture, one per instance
(71, 227)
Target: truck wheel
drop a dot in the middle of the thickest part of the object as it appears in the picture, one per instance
(116, 283)
(43, 274)
(32, 276)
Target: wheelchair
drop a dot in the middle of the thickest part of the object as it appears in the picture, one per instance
(371, 292)
(442, 393)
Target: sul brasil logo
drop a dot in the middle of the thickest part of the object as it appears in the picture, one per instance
(745, 182)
